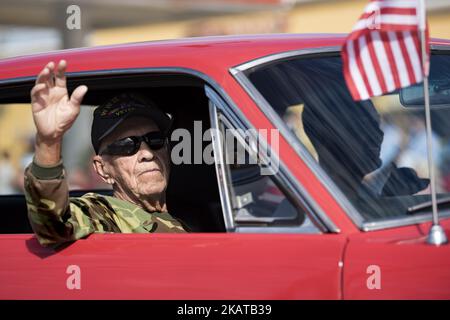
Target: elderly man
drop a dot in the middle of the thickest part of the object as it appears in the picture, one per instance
(129, 136)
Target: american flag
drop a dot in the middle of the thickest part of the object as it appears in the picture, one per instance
(383, 53)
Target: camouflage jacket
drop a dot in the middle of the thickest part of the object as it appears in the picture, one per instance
(57, 219)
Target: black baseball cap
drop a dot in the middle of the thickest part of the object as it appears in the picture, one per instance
(118, 108)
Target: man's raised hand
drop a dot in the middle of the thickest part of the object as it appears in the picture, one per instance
(53, 111)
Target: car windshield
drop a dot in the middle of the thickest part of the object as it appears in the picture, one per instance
(375, 150)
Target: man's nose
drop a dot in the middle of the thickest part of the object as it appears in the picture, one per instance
(145, 153)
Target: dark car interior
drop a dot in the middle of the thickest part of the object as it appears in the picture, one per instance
(192, 196)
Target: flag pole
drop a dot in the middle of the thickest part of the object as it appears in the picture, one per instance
(436, 235)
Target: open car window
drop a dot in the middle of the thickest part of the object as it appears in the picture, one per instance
(374, 151)
(192, 193)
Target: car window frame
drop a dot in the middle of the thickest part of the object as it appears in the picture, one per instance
(238, 72)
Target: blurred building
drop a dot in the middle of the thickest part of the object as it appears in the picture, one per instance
(29, 26)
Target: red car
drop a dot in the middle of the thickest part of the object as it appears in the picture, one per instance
(344, 214)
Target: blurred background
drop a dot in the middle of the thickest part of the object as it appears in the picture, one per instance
(29, 26)
(32, 26)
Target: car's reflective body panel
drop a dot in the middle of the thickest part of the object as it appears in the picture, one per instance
(163, 266)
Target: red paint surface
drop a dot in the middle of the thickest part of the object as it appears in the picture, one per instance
(211, 55)
(409, 268)
(178, 266)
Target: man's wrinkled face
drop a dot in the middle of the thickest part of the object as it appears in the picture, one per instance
(143, 174)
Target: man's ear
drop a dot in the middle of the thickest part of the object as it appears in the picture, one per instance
(99, 166)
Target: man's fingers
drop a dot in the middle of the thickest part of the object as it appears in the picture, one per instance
(77, 95)
(46, 75)
(51, 78)
(37, 100)
(43, 75)
(36, 89)
(60, 78)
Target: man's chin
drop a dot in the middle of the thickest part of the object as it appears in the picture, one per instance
(151, 191)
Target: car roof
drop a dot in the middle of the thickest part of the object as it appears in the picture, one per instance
(215, 54)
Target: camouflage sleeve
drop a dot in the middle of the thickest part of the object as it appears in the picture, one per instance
(53, 218)
(167, 223)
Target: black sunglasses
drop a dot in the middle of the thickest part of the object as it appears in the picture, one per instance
(130, 145)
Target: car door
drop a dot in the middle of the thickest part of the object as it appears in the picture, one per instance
(190, 266)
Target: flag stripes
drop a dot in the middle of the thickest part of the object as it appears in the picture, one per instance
(383, 53)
